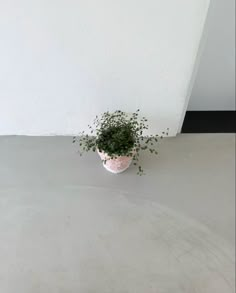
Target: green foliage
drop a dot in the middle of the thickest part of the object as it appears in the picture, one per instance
(119, 134)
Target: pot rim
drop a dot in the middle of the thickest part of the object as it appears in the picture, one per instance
(117, 156)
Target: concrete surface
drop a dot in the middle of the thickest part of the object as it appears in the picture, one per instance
(69, 226)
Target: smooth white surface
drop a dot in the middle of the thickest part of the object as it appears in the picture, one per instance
(68, 225)
(214, 88)
(62, 62)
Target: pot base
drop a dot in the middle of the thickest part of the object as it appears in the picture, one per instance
(118, 171)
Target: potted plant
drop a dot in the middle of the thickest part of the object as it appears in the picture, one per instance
(118, 138)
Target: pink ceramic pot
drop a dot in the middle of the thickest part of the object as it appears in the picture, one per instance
(117, 165)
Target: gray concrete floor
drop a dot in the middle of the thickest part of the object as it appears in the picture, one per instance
(69, 226)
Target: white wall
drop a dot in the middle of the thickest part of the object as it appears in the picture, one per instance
(64, 61)
(214, 88)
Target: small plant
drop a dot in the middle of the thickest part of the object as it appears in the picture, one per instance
(119, 134)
